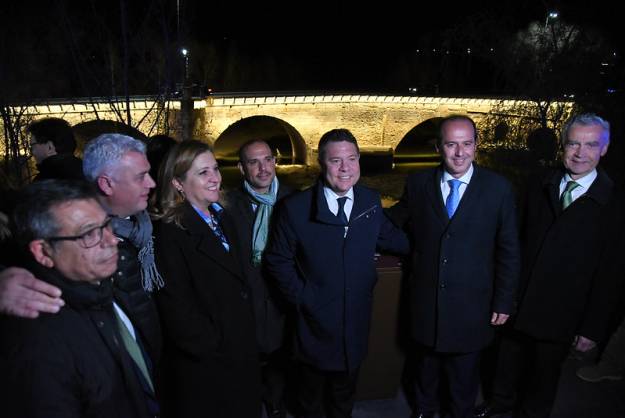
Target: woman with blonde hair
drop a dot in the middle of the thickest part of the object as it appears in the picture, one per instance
(210, 356)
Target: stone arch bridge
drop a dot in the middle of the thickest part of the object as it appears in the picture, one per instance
(291, 123)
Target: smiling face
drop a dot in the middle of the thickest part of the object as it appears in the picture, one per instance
(258, 166)
(129, 185)
(200, 184)
(457, 146)
(583, 148)
(69, 257)
(341, 166)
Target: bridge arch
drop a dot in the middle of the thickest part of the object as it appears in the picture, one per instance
(86, 131)
(420, 141)
(282, 137)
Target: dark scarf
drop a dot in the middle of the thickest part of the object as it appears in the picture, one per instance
(139, 232)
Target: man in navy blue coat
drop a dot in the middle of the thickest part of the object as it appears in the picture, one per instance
(321, 254)
(465, 266)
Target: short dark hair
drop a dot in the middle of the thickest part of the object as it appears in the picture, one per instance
(335, 135)
(247, 144)
(55, 130)
(453, 118)
(33, 218)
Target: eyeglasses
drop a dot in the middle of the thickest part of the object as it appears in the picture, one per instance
(88, 239)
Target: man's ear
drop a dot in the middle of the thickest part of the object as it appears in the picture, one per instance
(105, 185)
(241, 168)
(41, 250)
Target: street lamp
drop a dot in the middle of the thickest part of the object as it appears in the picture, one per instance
(185, 54)
(551, 16)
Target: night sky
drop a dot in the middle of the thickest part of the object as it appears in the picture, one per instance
(314, 45)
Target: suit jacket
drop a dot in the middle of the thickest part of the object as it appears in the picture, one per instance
(268, 311)
(210, 356)
(328, 277)
(573, 260)
(70, 364)
(464, 268)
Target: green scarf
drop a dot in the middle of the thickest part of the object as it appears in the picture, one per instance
(265, 203)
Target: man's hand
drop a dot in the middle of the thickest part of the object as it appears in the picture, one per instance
(21, 294)
(498, 318)
(583, 344)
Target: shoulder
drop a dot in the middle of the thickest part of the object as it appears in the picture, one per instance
(366, 193)
(491, 179)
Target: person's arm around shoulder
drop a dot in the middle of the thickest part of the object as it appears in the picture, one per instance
(280, 256)
(23, 295)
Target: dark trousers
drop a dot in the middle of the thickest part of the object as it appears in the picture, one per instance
(461, 371)
(527, 374)
(273, 372)
(322, 391)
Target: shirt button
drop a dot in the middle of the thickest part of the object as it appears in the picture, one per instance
(442, 285)
(243, 294)
(444, 261)
(119, 273)
(123, 257)
(100, 324)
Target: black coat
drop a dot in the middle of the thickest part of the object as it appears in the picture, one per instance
(268, 311)
(327, 277)
(462, 269)
(211, 366)
(573, 260)
(60, 166)
(69, 364)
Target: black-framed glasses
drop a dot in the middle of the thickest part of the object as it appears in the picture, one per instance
(88, 239)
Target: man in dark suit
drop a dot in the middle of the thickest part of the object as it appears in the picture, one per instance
(572, 266)
(321, 253)
(252, 205)
(76, 362)
(465, 266)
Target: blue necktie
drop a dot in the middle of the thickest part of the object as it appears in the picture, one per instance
(453, 199)
(341, 212)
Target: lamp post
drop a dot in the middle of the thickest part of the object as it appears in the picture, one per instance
(186, 103)
(553, 15)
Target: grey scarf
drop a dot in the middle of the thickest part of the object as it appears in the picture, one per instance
(139, 233)
(265, 203)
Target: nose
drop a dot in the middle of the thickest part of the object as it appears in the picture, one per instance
(150, 183)
(108, 238)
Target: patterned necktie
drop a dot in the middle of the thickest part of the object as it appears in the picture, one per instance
(453, 199)
(567, 196)
(341, 212)
(217, 228)
(133, 349)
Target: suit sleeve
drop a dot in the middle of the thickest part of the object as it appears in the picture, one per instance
(507, 255)
(281, 257)
(391, 238)
(190, 329)
(399, 213)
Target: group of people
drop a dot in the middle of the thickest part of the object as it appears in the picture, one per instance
(205, 305)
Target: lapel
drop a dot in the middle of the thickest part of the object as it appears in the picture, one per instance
(322, 211)
(208, 244)
(435, 197)
(551, 188)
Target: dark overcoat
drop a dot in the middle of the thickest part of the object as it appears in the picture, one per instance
(268, 311)
(573, 260)
(70, 364)
(210, 358)
(328, 277)
(462, 269)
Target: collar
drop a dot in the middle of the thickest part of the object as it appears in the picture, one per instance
(585, 181)
(465, 178)
(330, 194)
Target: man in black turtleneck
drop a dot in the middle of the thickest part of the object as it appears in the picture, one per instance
(78, 362)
